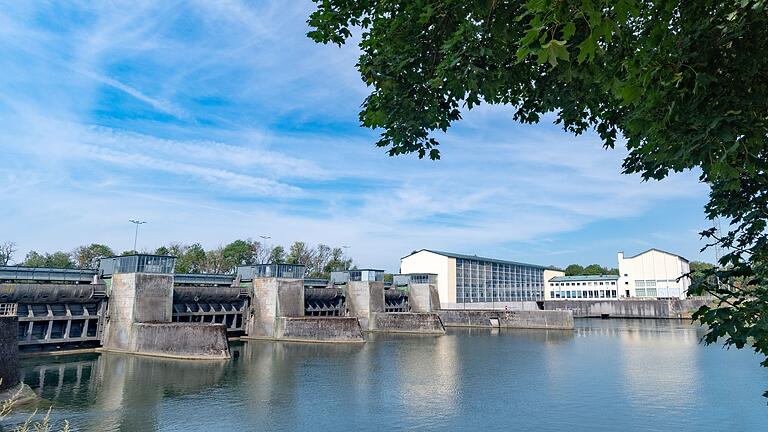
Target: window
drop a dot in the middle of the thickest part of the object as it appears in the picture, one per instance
(613, 293)
(602, 293)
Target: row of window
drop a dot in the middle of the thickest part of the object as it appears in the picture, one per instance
(596, 283)
(483, 281)
(652, 283)
(588, 294)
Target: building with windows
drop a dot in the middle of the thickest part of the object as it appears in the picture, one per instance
(654, 274)
(582, 287)
(478, 282)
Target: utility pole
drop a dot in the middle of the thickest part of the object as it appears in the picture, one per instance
(136, 235)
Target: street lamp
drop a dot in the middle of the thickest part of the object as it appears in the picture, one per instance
(136, 236)
(265, 237)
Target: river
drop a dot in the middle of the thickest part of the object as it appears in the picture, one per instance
(606, 375)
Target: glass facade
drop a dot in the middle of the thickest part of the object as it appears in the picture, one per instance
(137, 264)
(488, 281)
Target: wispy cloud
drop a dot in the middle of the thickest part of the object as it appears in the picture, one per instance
(218, 120)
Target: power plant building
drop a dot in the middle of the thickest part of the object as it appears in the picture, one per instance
(473, 281)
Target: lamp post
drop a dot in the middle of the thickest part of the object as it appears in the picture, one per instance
(265, 237)
(136, 235)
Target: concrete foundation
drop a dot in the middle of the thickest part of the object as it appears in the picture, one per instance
(657, 309)
(320, 329)
(561, 320)
(140, 314)
(9, 352)
(424, 323)
(364, 298)
(423, 297)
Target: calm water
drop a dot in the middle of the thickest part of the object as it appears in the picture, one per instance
(605, 376)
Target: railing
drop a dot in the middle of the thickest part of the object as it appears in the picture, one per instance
(8, 309)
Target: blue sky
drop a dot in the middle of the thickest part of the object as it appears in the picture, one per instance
(221, 120)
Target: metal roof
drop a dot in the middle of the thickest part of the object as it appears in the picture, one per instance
(46, 274)
(657, 250)
(584, 278)
(479, 258)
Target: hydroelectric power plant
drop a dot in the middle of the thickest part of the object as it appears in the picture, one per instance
(138, 304)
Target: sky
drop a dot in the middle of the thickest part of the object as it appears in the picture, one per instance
(219, 120)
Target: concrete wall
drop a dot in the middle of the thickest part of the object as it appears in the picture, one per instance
(140, 314)
(498, 306)
(320, 329)
(663, 309)
(136, 298)
(364, 298)
(423, 297)
(424, 323)
(181, 340)
(538, 319)
(9, 352)
(271, 299)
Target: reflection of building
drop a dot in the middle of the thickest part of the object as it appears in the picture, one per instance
(582, 287)
(653, 273)
(483, 282)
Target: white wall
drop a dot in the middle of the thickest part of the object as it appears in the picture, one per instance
(549, 274)
(653, 269)
(430, 262)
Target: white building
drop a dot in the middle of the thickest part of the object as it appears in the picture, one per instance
(583, 287)
(653, 274)
(470, 281)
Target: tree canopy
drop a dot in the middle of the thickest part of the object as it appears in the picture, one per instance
(683, 84)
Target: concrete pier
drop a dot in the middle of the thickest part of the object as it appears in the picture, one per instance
(539, 319)
(423, 296)
(277, 309)
(139, 321)
(365, 298)
(9, 352)
(407, 322)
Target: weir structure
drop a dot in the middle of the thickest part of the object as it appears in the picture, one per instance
(140, 312)
(382, 308)
(280, 303)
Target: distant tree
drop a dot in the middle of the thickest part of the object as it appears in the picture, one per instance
(89, 256)
(612, 271)
(337, 261)
(276, 255)
(129, 252)
(574, 270)
(299, 253)
(7, 249)
(55, 260)
(594, 269)
(389, 277)
(214, 260)
(237, 253)
(700, 266)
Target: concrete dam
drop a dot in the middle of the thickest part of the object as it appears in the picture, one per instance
(138, 304)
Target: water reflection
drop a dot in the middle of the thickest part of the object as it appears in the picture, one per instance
(602, 376)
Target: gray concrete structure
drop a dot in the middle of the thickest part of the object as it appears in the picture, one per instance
(624, 308)
(139, 321)
(561, 320)
(9, 352)
(272, 299)
(320, 329)
(423, 297)
(364, 298)
(406, 322)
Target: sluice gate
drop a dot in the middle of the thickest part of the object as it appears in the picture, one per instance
(57, 308)
(208, 298)
(396, 300)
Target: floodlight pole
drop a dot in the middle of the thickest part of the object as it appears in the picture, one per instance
(136, 235)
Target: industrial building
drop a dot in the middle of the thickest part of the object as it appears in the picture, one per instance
(470, 281)
(654, 274)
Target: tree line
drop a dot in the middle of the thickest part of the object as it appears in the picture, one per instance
(320, 260)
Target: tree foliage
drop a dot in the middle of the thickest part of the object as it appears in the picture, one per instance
(89, 256)
(7, 249)
(57, 260)
(685, 83)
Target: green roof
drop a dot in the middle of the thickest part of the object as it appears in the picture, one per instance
(479, 258)
(584, 278)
